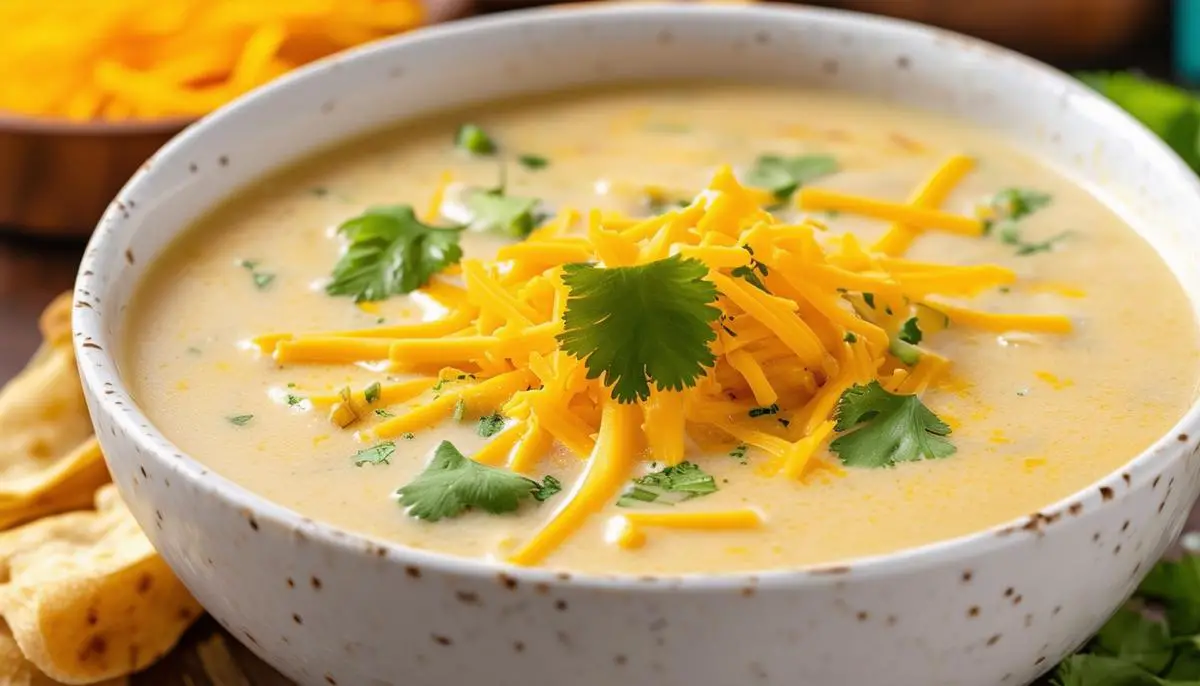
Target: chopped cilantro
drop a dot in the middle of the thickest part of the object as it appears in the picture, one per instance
(643, 325)
(490, 425)
(1041, 246)
(240, 419)
(1017, 203)
(473, 139)
(261, 279)
(294, 400)
(669, 486)
(783, 175)
(494, 210)
(547, 488)
(739, 453)
(773, 409)
(193, 350)
(384, 413)
(750, 272)
(452, 484)
(380, 453)
(391, 252)
(880, 429)
(533, 162)
(869, 299)
(408, 435)
(849, 337)
(460, 409)
(910, 331)
(371, 394)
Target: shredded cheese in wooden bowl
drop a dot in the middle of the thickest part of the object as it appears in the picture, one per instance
(620, 338)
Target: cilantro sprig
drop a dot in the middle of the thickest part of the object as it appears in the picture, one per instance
(390, 252)
(885, 429)
(1137, 648)
(641, 326)
(784, 175)
(669, 485)
(494, 210)
(453, 484)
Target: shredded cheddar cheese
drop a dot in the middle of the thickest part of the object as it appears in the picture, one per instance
(793, 341)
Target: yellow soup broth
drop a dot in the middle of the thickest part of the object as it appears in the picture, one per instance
(1035, 415)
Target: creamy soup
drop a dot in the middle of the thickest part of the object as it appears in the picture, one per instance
(953, 417)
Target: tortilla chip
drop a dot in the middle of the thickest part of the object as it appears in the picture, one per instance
(86, 596)
(15, 670)
(46, 466)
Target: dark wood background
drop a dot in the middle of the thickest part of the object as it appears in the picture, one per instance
(33, 271)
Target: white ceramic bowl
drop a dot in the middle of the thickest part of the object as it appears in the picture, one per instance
(328, 607)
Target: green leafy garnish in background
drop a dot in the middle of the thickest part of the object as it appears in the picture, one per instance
(669, 485)
(783, 175)
(1135, 648)
(475, 140)
(885, 428)
(533, 162)
(643, 325)
(391, 252)
(452, 484)
(1172, 113)
(490, 425)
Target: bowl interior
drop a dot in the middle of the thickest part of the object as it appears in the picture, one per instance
(1038, 109)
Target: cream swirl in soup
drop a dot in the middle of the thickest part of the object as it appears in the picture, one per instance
(665, 329)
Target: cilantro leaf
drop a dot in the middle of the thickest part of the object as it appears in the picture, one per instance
(493, 210)
(262, 280)
(391, 252)
(1101, 670)
(475, 140)
(451, 484)
(1131, 637)
(1041, 246)
(750, 272)
(1018, 203)
(783, 175)
(1177, 584)
(380, 453)
(641, 325)
(910, 331)
(371, 393)
(384, 413)
(240, 420)
(885, 429)
(490, 425)
(771, 409)
(669, 485)
(547, 488)
(533, 162)
(739, 453)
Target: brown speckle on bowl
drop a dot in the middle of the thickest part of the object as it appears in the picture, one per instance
(1017, 599)
(1127, 479)
(1182, 438)
(830, 571)
(223, 160)
(1075, 508)
(542, 588)
(330, 680)
(413, 571)
(560, 605)
(507, 581)
(903, 62)
(518, 646)
(1056, 610)
(1117, 549)
(441, 640)
(1125, 526)
(891, 620)
(620, 660)
(966, 576)
(291, 583)
(862, 616)
(973, 611)
(467, 597)
(563, 576)
(297, 618)
(129, 256)
(1008, 592)
(316, 583)
(993, 640)
(1028, 620)
(1106, 493)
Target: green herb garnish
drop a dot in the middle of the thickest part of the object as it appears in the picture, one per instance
(371, 393)
(1173, 114)
(784, 175)
(474, 140)
(490, 425)
(869, 299)
(460, 409)
(380, 453)
(493, 210)
(547, 488)
(643, 325)
(261, 279)
(294, 400)
(910, 331)
(739, 453)
(669, 486)
(240, 419)
(884, 428)
(380, 412)
(750, 272)
(849, 337)
(452, 484)
(773, 409)
(533, 162)
(390, 252)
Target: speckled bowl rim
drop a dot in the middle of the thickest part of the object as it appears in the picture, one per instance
(98, 367)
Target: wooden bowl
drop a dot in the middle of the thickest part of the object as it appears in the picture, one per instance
(57, 176)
